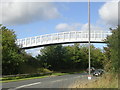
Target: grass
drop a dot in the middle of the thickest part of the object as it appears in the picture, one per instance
(19, 78)
(106, 81)
(5, 81)
(11, 79)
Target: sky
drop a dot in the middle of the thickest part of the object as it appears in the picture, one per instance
(30, 19)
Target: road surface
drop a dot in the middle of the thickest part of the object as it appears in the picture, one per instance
(64, 81)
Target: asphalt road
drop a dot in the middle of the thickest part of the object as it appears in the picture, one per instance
(64, 81)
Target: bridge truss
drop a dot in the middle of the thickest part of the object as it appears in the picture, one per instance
(61, 38)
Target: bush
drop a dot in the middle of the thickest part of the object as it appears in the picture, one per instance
(43, 70)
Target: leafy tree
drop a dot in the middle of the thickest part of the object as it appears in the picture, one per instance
(84, 56)
(11, 57)
(30, 64)
(112, 49)
(97, 57)
(14, 59)
(70, 57)
(52, 57)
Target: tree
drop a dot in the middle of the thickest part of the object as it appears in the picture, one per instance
(11, 54)
(112, 50)
(97, 57)
(60, 57)
(14, 59)
(52, 57)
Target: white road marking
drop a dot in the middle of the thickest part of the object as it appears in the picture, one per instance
(27, 85)
(41, 82)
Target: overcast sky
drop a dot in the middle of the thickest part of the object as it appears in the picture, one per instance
(37, 18)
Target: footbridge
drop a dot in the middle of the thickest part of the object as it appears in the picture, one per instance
(63, 38)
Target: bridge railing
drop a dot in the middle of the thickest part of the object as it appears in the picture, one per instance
(73, 36)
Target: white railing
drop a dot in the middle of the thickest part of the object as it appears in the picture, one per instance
(63, 37)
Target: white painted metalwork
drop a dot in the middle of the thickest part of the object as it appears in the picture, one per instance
(63, 37)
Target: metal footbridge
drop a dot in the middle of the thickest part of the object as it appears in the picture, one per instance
(63, 38)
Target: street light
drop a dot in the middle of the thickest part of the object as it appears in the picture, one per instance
(89, 77)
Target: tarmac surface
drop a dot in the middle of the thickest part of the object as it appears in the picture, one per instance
(65, 81)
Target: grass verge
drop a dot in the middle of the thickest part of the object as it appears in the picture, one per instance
(106, 81)
(11, 79)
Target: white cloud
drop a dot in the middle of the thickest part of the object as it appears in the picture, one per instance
(68, 27)
(26, 12)
(62, 26)
(92, 27)
(109, 13)
(77, 26)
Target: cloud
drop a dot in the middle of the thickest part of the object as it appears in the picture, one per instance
(67, 27)
(92, 27)
(77, 26)
(26, 12)
(109, 13)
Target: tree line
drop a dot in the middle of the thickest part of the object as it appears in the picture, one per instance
(14, 59)
(57, 57)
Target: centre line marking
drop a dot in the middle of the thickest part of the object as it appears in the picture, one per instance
(27, 85)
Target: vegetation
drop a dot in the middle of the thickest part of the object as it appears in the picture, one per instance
(112, 51)
(110, 79)
(33, 76)
(106, 81)
(11, 54)
(59, 57)
(15, 60)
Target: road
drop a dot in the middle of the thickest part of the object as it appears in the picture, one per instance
(64, 81)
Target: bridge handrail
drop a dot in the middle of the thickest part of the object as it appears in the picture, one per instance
(62, 37)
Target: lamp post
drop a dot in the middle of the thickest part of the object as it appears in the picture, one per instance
(89, 77)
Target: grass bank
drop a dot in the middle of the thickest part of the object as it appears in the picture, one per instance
(106, 81)
(27, 77)
(18, 78)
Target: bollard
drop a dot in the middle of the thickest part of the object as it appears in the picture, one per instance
(89, 77)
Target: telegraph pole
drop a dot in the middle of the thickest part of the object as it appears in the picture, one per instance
(89, 77)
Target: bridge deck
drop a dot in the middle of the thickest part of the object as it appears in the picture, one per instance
(62, 38)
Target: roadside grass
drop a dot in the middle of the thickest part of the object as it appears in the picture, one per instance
(106, 81)
(18, 78)
(11, 79)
